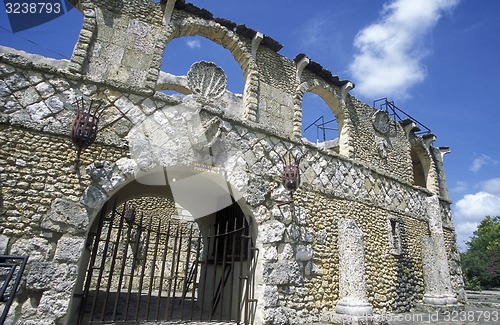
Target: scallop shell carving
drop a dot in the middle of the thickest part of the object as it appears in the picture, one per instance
(206, 79)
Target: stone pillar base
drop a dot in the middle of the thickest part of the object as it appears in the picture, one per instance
(354, 308)
(439, 303)
(439, 300)
(341, 319)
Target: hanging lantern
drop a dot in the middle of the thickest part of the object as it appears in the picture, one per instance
(130, 215)
(84, 129)
(291, 174)
(291, 177)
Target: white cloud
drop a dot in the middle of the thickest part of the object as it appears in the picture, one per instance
(464, 231)
(460, 187)
(474, 207)
(481, 161)
(390, 51)
(193, 44)
(491, 186)
(470, 210)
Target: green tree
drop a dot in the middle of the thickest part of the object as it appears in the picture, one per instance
(481, 261)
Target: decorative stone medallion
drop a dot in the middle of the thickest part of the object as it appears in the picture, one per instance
(206, 79)
(381, 121)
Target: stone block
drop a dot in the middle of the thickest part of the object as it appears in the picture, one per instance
(257, 189)
(69, 249)
(38, 249)
(285, 272)
(38, 111)
(103, 173)
(4, 90)
(304, 253)
(93, 198)
(279, 315)
(285, 252)
(270, 253)
(306, 234)
(54, 104)
(16, 82)
(271, 232)
(139, 28)
(261, 214)
(54, 304)
(293, 233)
(51, 277)
(270, 297)
(40, 275)
(28, 96)
(66, 216)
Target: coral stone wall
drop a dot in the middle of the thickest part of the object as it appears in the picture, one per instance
(36, 171)
(40, 217)
(394, 282)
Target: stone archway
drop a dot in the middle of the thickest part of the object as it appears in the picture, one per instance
(110, 180)
(210, 255)
(333, 99)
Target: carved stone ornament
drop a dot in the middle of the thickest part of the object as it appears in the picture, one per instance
(382, 147)
(206, 79)
(381, 121)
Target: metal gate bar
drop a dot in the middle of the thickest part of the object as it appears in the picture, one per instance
(103, 261)
(164, 258)
(113, 261)
(151, 276)
(186, 271)
(93, 256)
(122, 268)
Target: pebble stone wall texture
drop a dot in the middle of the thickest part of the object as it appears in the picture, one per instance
(46, 210)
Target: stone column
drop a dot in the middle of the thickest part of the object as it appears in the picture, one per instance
(436, 271)
(352, 289)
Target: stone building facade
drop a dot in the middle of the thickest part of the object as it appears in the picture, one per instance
(369, 230)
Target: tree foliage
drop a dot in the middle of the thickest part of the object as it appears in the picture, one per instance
(481, 261)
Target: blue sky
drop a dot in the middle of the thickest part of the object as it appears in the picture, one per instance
(436, 59)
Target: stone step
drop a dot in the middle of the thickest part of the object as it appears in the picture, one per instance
(485, 298)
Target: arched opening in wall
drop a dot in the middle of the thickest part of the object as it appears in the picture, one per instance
(182, 52)
(420, 167)
(150, 259)
(319, 123)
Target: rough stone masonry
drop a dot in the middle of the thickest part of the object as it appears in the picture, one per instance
(370, 228)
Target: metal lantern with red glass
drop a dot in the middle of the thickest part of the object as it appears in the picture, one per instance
(84, 128)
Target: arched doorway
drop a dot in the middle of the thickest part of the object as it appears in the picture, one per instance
(148, 261)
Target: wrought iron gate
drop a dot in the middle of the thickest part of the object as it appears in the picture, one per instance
(141, 269)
